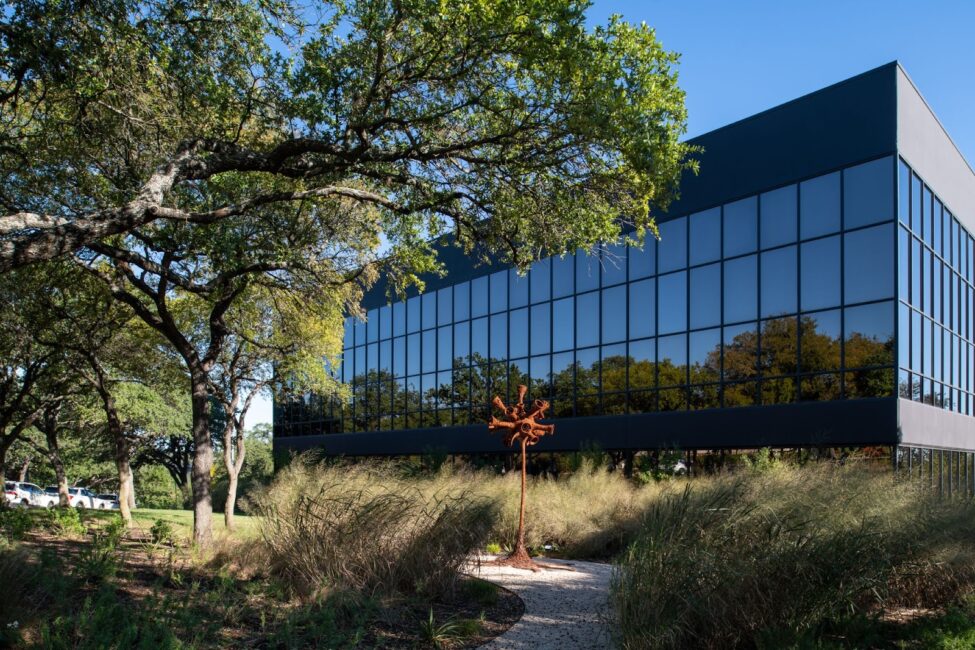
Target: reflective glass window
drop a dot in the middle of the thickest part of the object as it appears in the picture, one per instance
(916, 279)
(915, 204)
(540, 278)
(540, 370)
(399, 356)
(614, 264)
(479, 340)
(740, 352)
(462, 341)
(386, 355)
(903, 335)
(937, 237)
(741, 289)
(429, 306)
(413, 354)
(869, 264)
(372, 354)
(903, 264)
(563, 276)
(916, 341)
(868, 193)
(360, 364)
(348, 335)
(462, 301)
(705, 296)
(541, 334)
(672, 290)
(819, 341)
(820, 273)
(672, 248)
(386, 322)
(587, 271)
(778, 215)
(705, 356)
(927, 217)
(499, 291)
(517, 289)
(499, 336)
(372, 325)
(563, 383)
(445, 348)
(360, 331)
(612, 370)
(479, 296)
(445, 306)
(614, 314)
(779, 346)
(563, 316)
(518, 325)
(643, 261)
(642, 309)
(672, 360)
(779, 290)
(705, 242)
(819, 206)
(429, 343)
(642, 366)
(904, 193)
(587, 319)
(741, 227)
(399, 318)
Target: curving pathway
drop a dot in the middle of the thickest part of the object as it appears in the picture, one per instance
(564, 609)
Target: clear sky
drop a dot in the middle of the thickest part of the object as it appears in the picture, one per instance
(740, 57)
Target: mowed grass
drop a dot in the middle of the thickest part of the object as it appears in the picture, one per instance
(182, 521)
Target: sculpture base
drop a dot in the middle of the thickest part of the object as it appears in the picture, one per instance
(519, 559)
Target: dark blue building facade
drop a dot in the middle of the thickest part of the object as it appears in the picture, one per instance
(813, 286)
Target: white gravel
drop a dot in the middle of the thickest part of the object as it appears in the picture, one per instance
(563, 609)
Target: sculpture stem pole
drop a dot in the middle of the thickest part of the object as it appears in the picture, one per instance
(521, 514)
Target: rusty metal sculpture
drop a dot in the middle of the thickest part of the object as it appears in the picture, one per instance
(520, 425)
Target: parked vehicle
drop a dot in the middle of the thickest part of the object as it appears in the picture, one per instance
(28, 494)
(111, 500)
(81, 497)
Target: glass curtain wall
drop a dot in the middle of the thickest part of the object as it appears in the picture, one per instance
(785, 296)
(935, 261)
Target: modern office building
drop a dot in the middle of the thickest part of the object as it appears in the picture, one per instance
(812, 287)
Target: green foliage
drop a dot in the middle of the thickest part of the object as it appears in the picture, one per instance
(762, 460)
(154, 488)
(483, 592)
(16, 522)
(99, 561)
(493, 548)
(66, 521)
(161, 532)
(442, 635)
(338, 621)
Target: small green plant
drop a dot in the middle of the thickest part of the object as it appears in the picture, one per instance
(16, 522)
(493, 548)
(100, 561)
(162, 532)
(66, 522)
(762, 460)
(441, 635)
(482, 591)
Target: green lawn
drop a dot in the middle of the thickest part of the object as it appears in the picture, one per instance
(182, 521)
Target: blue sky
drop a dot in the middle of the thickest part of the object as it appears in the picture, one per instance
(740, 57)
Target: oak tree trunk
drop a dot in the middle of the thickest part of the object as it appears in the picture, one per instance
(202, 462)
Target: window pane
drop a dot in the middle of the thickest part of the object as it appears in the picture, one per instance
(445, 348)
(868, 193)
(903, 264)
(705, 296)
(462, 336)
(869, 264)
(587, 271)
(386, 322)
(517, 289)
(741, 289)
(348, 337)
(673, 302)
(820, 341)
(518, 325)
(429, 310)
(462, 301)
(372, 325)
(916, 204)
(612, 371)
(741, 226)
(673, 245)
(705, 244)
(563, 275)
(643, 261)
(386, 355)
(740, 352)
(614, 314)
(499, 291)
(705, 356)
(540, 369)
(869, 335)
(479, 340)
(541, 280)
(927, 218)
(429, 351)
(413, 314)
(642, 370)
(614, 264)
(499, 337)
(904, 193)
(563, 320)
(779, 217)
(541, 328)
(479, 296)
(937, 236)
(445, 306)
(413, 354)
(820, 275)
(587, 319)
(672, 354)
(642, 309)
(819, 206)
(399, 356)
(779, 289)
(779, 347)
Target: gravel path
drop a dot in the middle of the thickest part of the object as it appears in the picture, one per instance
(563, 609)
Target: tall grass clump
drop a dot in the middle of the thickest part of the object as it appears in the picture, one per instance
(366, 530)
(759, 558)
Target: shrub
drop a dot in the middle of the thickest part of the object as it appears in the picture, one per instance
(327, 528)
(727, 562)
(16, 522)
(66, 521)
(99, 560)
(161, 532)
